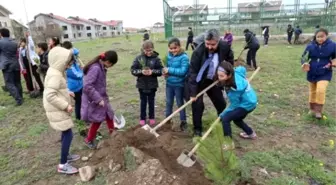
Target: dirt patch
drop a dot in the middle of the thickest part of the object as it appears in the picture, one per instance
(165, 148)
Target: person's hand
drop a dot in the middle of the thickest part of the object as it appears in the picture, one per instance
(27, 34)
(69, 109)
(149, 72)
(165, 70)
(101, 103)
(333, 62)
(72, 94)
(193, 99)
(23, 71)
(144, 72)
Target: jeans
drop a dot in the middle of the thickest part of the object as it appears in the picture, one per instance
(237, 116)
(177, 92)
(289, 38)
(66, 142)
(78, 104)
(251, 57)
(147, 96)
(13, 84)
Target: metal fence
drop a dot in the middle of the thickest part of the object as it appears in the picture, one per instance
(248, 15)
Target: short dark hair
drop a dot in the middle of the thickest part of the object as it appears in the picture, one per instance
(56, 41)
(4, 32)
(246, 30)
(317, 26)
(148, 45)
(175, 41)
(23, 40)
(43, 46)
(67, 45)
(212, 34)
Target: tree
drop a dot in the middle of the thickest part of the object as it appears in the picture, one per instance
(42, 33)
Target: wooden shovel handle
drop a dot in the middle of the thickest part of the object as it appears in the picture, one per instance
(214, 123)
(182, 107)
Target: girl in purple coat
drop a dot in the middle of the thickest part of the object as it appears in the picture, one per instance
(96, 107)
(228, 37)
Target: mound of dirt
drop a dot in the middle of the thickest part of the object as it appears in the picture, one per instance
(160, 153)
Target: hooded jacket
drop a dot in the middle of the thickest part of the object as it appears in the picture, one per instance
(243, 96)
(56, 98)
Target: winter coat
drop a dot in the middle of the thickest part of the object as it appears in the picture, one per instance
(298, 31)
(56, 98)
(94, 91)
(251, 41)
(243, 96)
(199, 56)
(75, 77)
(44, 64)
(190, 36)
(146, 36)
(154, 63)
(178, 67)
(290, 31)
(228, 38)
(320, 56)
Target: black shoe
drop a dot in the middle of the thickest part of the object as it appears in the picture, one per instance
(19, 103)
(197, 133)
(183, 126)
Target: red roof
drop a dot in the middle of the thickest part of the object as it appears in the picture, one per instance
(98, 21)
(82, 20)
(112, 22)
(60, 18)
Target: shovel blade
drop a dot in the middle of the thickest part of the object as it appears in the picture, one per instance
(150, 129)
(185, 160)
(119, 122)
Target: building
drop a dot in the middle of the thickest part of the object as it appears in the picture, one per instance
(5, 21)
(157, 28)
(187, 13)
(73, 28)
(257, 10)
(116, 27)
(18, 29)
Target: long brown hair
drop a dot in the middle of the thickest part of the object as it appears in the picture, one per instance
(229, 70)
(110, 56)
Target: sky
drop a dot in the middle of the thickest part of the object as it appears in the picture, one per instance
(134, 13)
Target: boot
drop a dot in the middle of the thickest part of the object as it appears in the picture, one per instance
(318, 111)
(312, 108)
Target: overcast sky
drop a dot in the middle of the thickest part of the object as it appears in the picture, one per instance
(134, 13)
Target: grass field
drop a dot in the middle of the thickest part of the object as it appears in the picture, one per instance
(292, 148)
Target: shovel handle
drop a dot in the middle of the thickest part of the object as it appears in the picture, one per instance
(182, 107)
(203, 137)
(214, 123)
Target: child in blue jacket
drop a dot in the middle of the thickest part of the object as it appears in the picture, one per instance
(177, 66)
(243, 99)
(321, 57)
(75, 79)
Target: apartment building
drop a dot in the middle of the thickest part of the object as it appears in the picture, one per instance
(75, 28)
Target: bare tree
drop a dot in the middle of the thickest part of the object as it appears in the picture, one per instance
(42, 33)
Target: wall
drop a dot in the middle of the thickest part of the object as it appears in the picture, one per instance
(6, 22)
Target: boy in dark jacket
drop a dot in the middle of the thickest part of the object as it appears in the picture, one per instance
(42, 51)
(290, 32)
(147, 67)
(253, 45)
(297, 33)
(190, 39)
(146, 36)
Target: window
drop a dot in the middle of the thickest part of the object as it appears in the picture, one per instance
(112, 33)
(104, 28)
(88, 28)
(74, 35)
(118, 33)
(89, 34)
(64, 28)
(5, 24)
(79, 35)
(66, 36)
(78, 27)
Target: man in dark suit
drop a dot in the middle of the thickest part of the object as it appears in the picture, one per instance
(10, 66)
(203, 68)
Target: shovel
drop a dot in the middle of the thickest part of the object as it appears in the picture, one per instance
(119, 122)
(153, 130)
(188, 159)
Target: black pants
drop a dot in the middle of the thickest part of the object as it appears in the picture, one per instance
(216, 96)
(36, 75)
(78, 104)
(147, 96)
(237, 116)
(266, 37)
(296, 39)
(13, 84)
(187, 46)
(251, 57)
(289, 38)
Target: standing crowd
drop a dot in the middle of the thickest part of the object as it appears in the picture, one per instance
(56, 71)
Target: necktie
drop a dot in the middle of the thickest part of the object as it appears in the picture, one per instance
(204, 66)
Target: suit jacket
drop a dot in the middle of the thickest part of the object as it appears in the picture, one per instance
(8, 59)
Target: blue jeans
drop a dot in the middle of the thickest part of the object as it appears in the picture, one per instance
(177, 92)
(237, 116)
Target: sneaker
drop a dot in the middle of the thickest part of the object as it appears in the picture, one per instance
(152, 121)
(67, 169)
(183, 126)
(142, 122)
(90, 144)
(197, 133)
(245, 136)
(72, 158)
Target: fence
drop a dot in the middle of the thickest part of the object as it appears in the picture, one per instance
(248, 15)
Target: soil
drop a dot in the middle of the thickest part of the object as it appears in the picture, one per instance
(166, 148)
